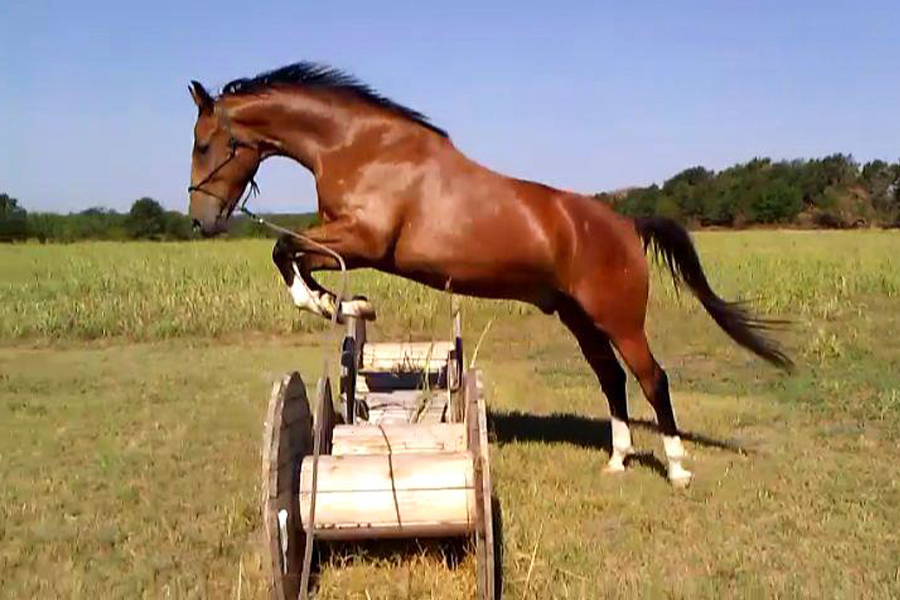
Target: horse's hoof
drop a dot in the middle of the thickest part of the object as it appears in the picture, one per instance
(616, 462)
(680, 479)
(613, 468)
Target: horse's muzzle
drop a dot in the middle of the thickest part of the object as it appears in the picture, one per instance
(211, 228)
(206, 214)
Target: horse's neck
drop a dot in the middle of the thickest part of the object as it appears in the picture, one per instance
(328, 136)
(298, 126)
(343, 141)
(305, 133)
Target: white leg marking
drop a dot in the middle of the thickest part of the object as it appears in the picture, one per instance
(621, 446)
(678, 475)
(304, 298)
(322, 303)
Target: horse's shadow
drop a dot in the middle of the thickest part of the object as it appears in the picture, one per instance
(587, 432)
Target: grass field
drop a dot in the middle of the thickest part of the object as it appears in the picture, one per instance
(134, 377)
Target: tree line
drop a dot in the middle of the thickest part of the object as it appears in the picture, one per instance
(146, 220)
(830, 192)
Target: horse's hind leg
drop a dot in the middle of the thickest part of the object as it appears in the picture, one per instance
(635, 351)
(596, 348)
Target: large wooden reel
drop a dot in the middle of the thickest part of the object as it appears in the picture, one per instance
(287, 438)
(374, 481)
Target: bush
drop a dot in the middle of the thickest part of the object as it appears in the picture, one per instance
(146, 220)
(177, 226)
(13, 220)
(761, 191)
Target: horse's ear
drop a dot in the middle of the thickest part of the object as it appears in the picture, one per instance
(201, 97)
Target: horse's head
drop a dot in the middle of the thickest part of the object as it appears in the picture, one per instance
(222, 164)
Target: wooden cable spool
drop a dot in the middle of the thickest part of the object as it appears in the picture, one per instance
(287, 438)
(375, 481)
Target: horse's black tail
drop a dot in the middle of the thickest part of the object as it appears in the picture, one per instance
(673, 244)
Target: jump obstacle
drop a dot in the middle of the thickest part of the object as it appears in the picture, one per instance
(406, 456)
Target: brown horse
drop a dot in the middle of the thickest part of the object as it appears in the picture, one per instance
(396, 195)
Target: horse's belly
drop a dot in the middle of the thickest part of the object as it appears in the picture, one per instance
(491, 244)
(478, 269)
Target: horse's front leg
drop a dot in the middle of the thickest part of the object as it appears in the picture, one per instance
(309, 294)
(296, 259)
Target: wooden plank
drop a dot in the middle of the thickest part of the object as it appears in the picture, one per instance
(387, 409)
(406, 399)
(384, 472)
(405, 406)
(394, 495)
(406, 356)
(329, 421)
(471, 419)
(398, 439)
(404, 417)
(431, 408)
(387, 514)
(432, 416)
(486, 486)
(476, 415)
(389, 416)
(362, 386)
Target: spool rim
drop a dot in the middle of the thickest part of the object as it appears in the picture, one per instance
(287, 438)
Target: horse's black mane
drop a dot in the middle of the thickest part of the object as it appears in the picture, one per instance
(309, 74)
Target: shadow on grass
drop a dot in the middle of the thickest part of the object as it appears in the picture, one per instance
(585, 432)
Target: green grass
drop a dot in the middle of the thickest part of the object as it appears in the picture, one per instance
(148, 291)
(134, 377)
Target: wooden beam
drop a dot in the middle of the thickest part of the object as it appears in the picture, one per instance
(476, 415)
(398, 439)
(406, 356)
(399, 495)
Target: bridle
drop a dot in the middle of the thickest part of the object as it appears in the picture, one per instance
(233, 144)
(241, 205)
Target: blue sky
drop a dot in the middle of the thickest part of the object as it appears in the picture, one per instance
(588, 96)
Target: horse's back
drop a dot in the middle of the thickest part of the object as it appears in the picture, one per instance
(484, 231)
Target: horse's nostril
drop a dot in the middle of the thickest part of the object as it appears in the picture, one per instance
(195, 224)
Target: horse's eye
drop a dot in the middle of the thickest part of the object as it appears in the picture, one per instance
(201, 149)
